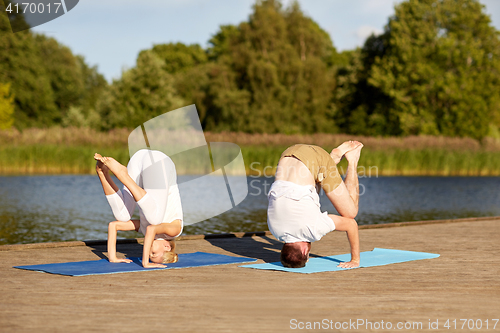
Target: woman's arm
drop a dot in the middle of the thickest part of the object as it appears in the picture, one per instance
(149, 237)
(113, 228)
(171, 229)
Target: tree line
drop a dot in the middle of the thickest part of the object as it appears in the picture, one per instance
(435, 70)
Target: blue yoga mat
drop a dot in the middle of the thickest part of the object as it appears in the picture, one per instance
(103, 266)
(377, 257)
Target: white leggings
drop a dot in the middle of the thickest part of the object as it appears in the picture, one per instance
(155, 173)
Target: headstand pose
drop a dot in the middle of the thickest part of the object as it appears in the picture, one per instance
(150, 180)
(294, 216)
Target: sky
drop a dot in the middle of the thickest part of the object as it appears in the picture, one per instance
(111, 33)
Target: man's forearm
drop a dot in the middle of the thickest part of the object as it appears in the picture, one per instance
(353, 237)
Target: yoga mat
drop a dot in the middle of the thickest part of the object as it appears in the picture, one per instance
(103, 266)
(377, 257)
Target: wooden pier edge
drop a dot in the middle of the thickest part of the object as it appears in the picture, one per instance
(17, 247)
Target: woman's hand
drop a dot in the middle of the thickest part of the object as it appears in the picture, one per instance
(119, 260)
(152, 265)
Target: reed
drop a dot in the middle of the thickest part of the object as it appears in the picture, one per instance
(69, 151)
(53, 159)
(261, 161)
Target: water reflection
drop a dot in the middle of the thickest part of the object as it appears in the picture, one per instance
(60, 208)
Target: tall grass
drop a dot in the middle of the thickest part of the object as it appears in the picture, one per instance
(70, 151)
(53, 159)
(261, 161)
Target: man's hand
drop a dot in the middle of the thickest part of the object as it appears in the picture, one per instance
(350, 264)
(152, 265)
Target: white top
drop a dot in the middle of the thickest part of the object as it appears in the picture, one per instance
(294, 213)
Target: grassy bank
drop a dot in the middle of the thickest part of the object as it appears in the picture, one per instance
(70, 151)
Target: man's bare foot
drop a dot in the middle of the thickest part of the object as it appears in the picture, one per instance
(350, 264)
(111, 164)
(340, 151)
(353, 155)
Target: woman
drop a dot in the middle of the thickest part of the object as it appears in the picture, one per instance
(150, 181)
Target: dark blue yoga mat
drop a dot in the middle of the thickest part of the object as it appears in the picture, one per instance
(377, 257)
(103, 266)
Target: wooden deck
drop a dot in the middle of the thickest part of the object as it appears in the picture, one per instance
(463, 283)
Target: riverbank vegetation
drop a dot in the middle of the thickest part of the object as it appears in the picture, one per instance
(422, 96)
(70, 150)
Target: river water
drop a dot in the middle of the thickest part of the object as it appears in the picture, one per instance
(62, 208)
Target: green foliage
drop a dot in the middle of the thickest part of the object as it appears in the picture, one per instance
(93, 84)
(220, 43)
(46, 78)
(435, 70)
(270, 74)
(6, 106)
(142, 93)
(17, 21)
(21, 65)
(179, 57)
(63, 70)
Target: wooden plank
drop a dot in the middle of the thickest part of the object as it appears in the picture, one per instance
(462, 283)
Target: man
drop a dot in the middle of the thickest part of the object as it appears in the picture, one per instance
(294, 215)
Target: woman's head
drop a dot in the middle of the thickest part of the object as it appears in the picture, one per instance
(162, 252)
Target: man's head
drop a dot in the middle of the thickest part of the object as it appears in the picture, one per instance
(295, 255)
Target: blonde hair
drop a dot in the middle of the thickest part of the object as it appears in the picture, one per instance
(170, 256)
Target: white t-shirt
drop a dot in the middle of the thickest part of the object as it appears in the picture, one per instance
(294, 214)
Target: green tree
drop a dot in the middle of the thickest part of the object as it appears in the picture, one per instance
(64, 71)
(6, 106)
(363, 108)
(16, 20)
(21, 65)
(142, 93)
(179, 56)
(220, 43)
(94, 84)
(46, 78)
(84, 114)
(439, 69)
(272, 74)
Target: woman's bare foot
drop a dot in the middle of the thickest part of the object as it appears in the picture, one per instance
(101, 168)
(340, 151)
(111, 164)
